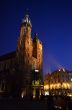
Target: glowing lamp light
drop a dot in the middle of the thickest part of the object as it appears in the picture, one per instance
(22, 95)
(69, 94)
(59, 69)
(36, 70)
(71, 79)
(46, 87)
(46, 93)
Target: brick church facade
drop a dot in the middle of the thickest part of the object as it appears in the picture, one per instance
(21, 70)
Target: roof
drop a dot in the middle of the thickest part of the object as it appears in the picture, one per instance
(8, 56)
(61, 71)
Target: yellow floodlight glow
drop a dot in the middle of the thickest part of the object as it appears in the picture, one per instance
(69, 94)
(46, 93)
(71, 79)
(65, 85)
(46, 87)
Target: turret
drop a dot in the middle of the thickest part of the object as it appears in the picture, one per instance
(26, 26)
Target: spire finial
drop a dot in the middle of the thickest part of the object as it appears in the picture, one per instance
(26, 20)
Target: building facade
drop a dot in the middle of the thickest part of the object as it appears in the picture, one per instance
(58, 82)
(21, 71)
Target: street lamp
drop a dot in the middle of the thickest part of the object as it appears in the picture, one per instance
(36, 70)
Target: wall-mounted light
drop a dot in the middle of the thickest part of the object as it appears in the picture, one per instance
(36, 70)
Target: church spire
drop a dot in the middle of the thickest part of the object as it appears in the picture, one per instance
(26, 21)
(35, 37)
(26, 26)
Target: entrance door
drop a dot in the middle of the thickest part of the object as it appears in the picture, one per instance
(37, 93)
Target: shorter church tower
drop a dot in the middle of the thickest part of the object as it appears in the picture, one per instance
(37, 67)
(37, 51)
(24, 53)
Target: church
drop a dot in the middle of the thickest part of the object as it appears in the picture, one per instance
(21, 70)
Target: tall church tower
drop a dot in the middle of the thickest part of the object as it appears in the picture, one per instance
(24, 52)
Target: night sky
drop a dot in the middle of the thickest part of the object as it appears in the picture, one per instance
(51, 19)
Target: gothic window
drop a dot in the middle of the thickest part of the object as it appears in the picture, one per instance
(28, 61)
(28, 41)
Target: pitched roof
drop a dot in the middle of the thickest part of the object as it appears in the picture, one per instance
(8, 56)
